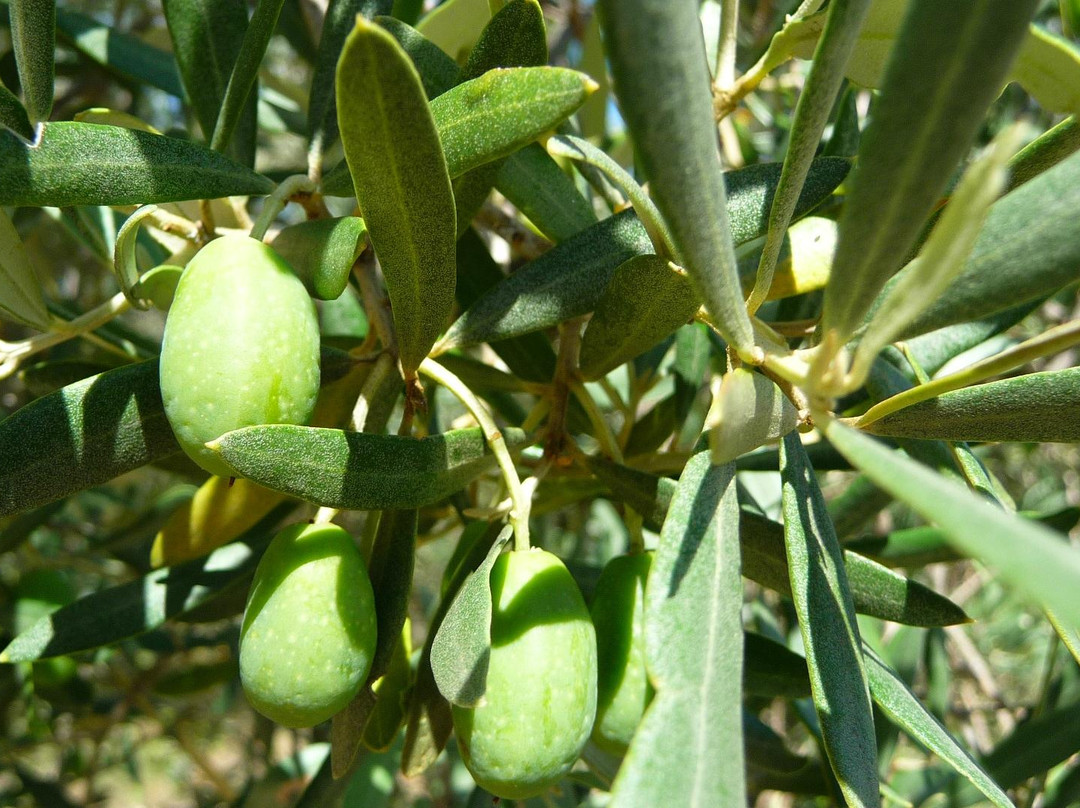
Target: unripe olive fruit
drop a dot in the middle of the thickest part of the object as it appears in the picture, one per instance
(241, 347)
(623, 689)
(308, 635)
(538, 709)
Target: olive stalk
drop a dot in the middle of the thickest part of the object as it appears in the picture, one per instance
(519, 495)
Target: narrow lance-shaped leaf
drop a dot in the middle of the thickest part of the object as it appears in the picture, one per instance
(83, 435)
(811, 113)
(830, 635)
(338, 22)
(749, 411)
(661, 79)
(490, 117)
(1026, 555)
(1037, 407)
(91, 164)
(905, 710)
(944, 254)
(13, 114)
(438, 72)
(1045, 152)
(322, 252)
(694, 654)
(206, 37)
(391, 570)
(540, 189)
(1023, 252)
(462, 646)
(123, 611)
(401, 182)
(20, 293)
(948, 65)
(359, 470)
(33, 38)
(245, 71)
(454, 25)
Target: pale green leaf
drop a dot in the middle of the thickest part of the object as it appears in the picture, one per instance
(455, 25)
(462, 646)
(1028, 556)
(401, 182)
(662, 82)
(322, 252)
(694, 654)
(830, 634)
(749, 411)
(20, 292)
(948, 65)
(905, 710)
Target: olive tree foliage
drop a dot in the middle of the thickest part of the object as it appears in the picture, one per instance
(747, 315)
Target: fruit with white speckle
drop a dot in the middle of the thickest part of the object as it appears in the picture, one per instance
(309, 629)
(241, 347)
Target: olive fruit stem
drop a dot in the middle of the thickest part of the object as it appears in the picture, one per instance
(276, 202)
(13, 353)
(519, 516)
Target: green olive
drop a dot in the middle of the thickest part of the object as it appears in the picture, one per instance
(540, 702)
(308, 635)
(241, 347)
(623, 689)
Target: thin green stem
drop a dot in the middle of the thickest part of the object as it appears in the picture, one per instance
(604, 434)
(519, 516)
(276, 202)
(1056, 339)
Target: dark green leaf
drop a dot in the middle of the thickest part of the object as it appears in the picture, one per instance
(123, 611)
(771, 669)
(1044, 152)
(206, 37)
(661, 79)
(1026, 555)
(948, 65)
(830, 634)
(563, 283)
(1038, 407)
(338, 22)
(438, 72)
(91, 164)
(897, 701)
(541, 190)
(13, 114)
(121, 53)
(83, 435)
(646, 300)
(401, 183)
(1023, 252)
(33, 38)
(514, 37)
(694, 653)
(359, 470)
(245, 71)
(462, 646)
(1036, 746)
(322, 252)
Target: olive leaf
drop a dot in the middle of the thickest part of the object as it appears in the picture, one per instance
(694, 653)
(33, 39)
(113, 614)
(13, 114)
(455, 25)
(830, 634)
(948, 65)
(438, 72)
(658, 64)
(83, 435)
(1026, 555)
(20, 294)
(322, 125)
(544, 193)
(322, 252)
(359, 470)
(400, 180)
(462, 645)
(771, 669)
(91, 164)
(206, 37)
(749, 410)
(1029, 408)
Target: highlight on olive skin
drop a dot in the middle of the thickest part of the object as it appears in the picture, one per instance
(540, 702)
(309, 629)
